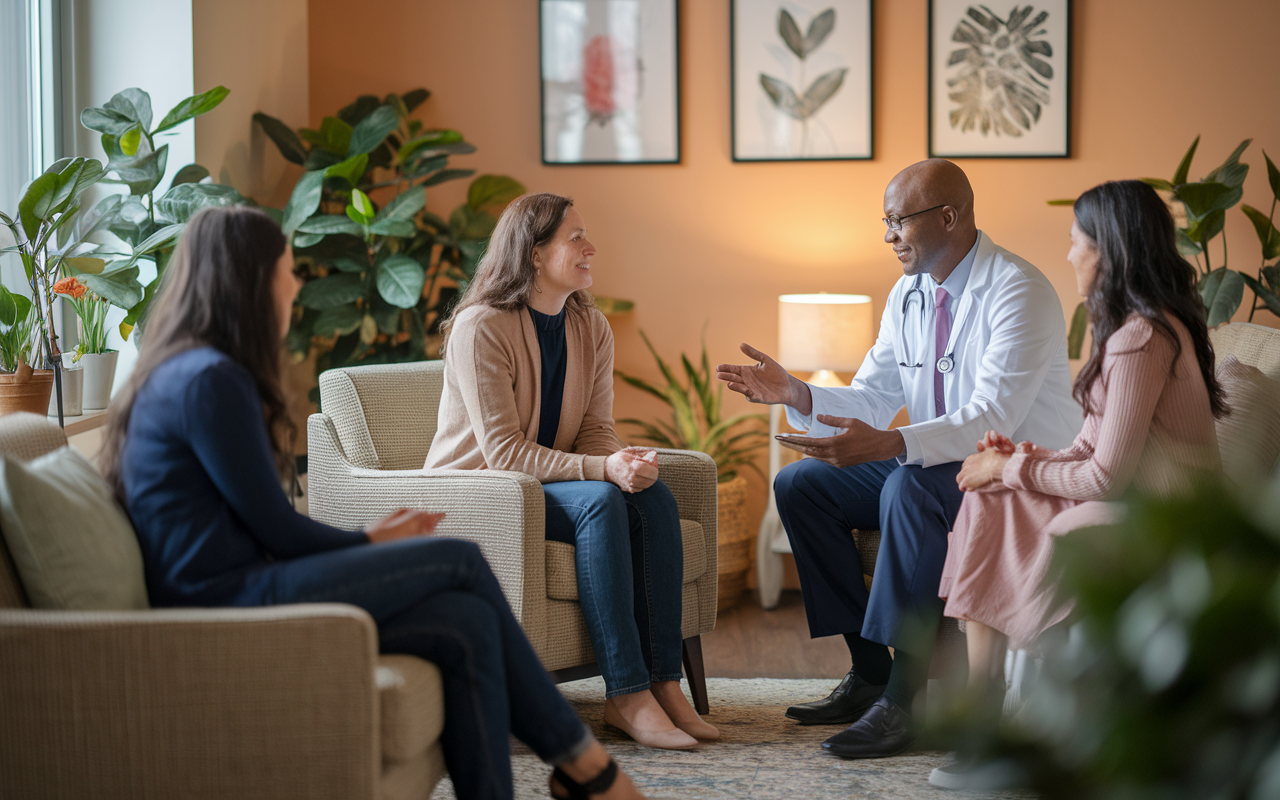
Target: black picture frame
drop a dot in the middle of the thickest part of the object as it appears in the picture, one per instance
(943, 143)
(745, 148)
(675, 141)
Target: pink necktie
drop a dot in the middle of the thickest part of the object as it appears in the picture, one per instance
(942, 333)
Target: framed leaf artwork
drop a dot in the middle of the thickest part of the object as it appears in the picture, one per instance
(801, 79)
(999, 79)
(610, 81)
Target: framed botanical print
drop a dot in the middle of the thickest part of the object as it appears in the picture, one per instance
(999, 79)
(610, 81)
(801, 79)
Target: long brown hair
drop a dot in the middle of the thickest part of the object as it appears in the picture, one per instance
(1140, 272)
(217, 291)
(506, 273)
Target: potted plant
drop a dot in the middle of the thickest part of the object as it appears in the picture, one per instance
(147, 225)
(48, 206)
(97, 363)
(1199, 210)
(380, 269)
(732, 443)
(21, 388)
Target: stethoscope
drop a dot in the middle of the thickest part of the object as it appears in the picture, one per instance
(946, 363)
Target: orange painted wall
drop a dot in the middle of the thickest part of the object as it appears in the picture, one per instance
(712, 242)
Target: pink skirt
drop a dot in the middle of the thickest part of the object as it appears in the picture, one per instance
(1000, 557)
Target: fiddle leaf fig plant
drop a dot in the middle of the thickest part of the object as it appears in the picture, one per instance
(148, 226)
(380, 269)
(696, 422)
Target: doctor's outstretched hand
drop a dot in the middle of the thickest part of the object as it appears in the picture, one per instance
(858, 444)
(765, 382)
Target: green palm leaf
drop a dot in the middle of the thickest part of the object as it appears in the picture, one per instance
(643, 386)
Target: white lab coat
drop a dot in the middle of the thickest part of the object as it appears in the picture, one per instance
(1010, 348)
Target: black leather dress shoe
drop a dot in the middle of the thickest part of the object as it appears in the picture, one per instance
(885, 730)
(846, 704)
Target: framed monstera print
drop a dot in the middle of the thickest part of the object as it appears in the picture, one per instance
(1000, 79)
(610, 81)
(801, 79)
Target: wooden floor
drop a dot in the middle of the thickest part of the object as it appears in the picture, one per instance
(749, 642)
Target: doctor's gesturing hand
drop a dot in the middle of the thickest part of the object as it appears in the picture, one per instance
(859, 444)
(766, 382)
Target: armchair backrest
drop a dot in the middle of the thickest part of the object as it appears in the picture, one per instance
(385, 414)
(1255, 345)
(1245, 448)
(23, 436)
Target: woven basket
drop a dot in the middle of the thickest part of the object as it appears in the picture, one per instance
(26, 390)
(735, 544)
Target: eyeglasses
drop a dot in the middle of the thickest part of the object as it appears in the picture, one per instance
(894, 222)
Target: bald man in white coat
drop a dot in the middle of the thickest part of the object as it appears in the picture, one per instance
(972, 339)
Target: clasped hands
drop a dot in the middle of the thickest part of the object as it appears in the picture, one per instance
(987, 465)
(767, 382)
(632, 469)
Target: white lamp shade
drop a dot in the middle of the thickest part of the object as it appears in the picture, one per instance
(824, 331)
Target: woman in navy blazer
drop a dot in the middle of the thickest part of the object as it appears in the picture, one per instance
(195, 448)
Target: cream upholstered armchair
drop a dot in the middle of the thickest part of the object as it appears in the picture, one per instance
(282, 701)
(365, 454)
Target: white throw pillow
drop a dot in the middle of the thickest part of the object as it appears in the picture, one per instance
(72, 545)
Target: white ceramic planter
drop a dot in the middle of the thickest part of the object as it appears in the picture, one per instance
(72, 393)
(99, 374)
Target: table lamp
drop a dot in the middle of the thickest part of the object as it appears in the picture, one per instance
(824, 334)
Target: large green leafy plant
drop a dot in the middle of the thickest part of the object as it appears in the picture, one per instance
(380, 269)
(1174, 689)
(43, 240)
(696, 422)
(148, 226)
(1207, 202)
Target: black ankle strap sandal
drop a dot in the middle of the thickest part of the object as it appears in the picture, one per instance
(582, 791)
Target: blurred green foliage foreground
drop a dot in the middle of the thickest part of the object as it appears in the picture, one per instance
(1169, 686)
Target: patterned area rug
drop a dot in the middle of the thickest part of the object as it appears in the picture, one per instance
(761, 755)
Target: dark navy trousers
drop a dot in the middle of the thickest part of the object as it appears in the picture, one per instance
(914, 508)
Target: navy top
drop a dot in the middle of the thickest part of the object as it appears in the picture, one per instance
(554, 357)
(202, 489)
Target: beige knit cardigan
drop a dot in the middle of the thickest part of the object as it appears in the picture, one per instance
(492, 397)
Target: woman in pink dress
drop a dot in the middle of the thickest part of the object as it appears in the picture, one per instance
(1150, 398)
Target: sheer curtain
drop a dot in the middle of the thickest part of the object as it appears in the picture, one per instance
(17, 156)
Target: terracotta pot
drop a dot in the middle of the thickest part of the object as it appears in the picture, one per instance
(735, 542)
(26, 390)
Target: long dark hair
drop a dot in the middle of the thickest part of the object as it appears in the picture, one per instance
(1139, 272)
(505, 276)
(217, 292)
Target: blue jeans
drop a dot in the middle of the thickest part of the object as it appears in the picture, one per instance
(438, 599)
(913, 507)
(630, 561)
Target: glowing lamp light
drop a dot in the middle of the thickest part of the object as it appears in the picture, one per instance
(824, 334)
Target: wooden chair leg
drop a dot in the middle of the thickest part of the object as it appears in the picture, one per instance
(696, 673)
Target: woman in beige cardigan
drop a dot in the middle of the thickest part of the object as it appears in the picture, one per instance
(529, 387)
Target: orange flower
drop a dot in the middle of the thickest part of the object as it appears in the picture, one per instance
(70, 287)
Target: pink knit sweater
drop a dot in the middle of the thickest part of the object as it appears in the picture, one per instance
(1151, 424)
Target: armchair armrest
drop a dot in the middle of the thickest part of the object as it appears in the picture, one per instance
(261, 702)
(501, 511)
(691, 476)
